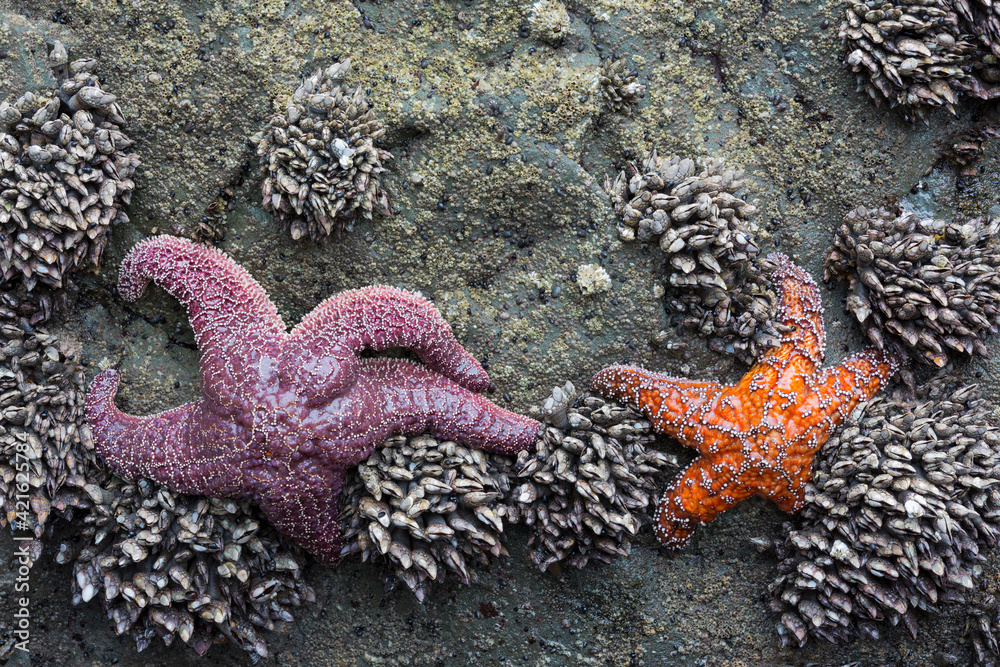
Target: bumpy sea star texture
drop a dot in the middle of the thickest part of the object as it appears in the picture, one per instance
(757, 437)
(284, 415)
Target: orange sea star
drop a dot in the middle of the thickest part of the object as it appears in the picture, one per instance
(757, 437)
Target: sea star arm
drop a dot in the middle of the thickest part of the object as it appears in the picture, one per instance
(304, 504)
(220, 296)
(705, 490)
(802, 309)
(164, 447)
(839, 389)
(821, 408)
(233, 320)
(377, 318)
(417, 400)
(672, 405)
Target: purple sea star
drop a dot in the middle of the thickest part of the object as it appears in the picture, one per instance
(285, 415)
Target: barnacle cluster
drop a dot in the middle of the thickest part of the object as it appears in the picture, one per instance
(691, 210)
(65, 176)
(619, 85)
(921, 54)
(549, 20)
(322, 169)
(982, 17)
(982, 628)
(35, 307)
(170, 565)
(428, 508)
(901, 506)
(585, 490)
(46, 452)
(932, 286)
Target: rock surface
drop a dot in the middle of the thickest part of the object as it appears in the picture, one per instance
(501, 143)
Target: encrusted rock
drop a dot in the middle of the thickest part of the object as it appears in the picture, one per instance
(170, 565)
(65, 176)
(322, 168)
(922, 54)
(212, 226)
(692, 211)
(46, 452)
(427, 508)
(928, 287)
(585, 490)
(549, 20)
(619, 85)
(968, 149)
(902, 505)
